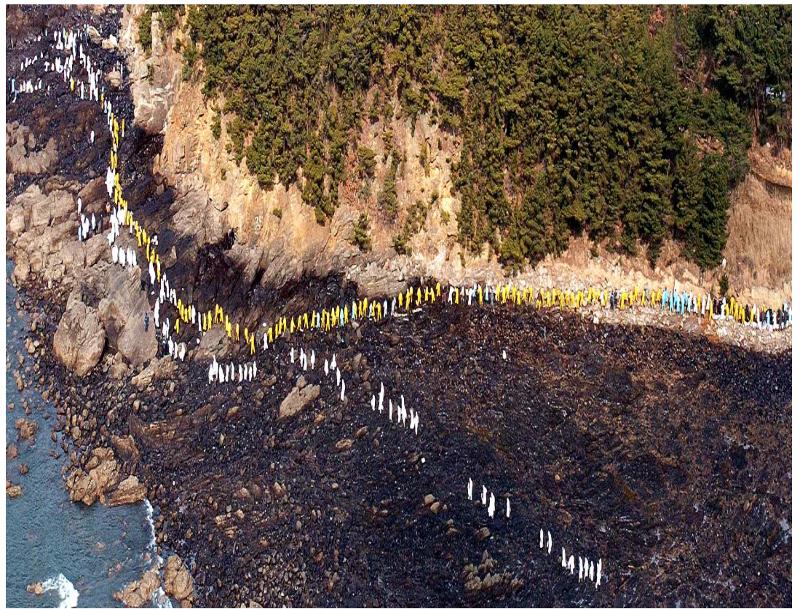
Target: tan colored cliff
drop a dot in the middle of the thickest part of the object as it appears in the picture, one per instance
(278, 233)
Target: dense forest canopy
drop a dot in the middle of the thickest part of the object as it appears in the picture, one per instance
(630, 123)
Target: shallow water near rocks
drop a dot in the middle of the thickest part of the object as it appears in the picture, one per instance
(88, 552)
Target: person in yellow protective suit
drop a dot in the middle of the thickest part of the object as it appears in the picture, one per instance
(71, 84)
(158, 268)
(419, 297)
(252, 344)
(400, 299)
(346, 315)
(291, 327)
(123, 127)
(378, 311)
(177, 326)
(246, 335)
(623, 299)
(458, 296)
(439, 289)
(269, 334)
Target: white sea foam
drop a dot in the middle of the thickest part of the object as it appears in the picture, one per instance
(67, 593)
(151, 547)
(160, 599)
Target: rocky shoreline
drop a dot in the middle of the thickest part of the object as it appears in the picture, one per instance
(634, 438)
(311, 508)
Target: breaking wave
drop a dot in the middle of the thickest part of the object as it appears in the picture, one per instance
(67, 593)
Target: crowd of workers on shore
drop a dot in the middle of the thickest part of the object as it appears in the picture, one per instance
(188, 315)
(179, 322)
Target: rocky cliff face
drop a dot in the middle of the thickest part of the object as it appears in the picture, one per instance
(155, 77)
(278, 240)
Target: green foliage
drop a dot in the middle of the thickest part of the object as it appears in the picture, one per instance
(216, 126)
(189, 58)
(423, 159)
(412, 225)
(169, 19)
(145, 35)
(366, 163)
(387, 197)
(571, 118)
(361, 233)
(750, 47)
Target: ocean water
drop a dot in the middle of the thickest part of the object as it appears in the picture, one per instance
(81, 554)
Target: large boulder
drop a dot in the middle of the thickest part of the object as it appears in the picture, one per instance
(122, 313)
(157, 369)
(178, 582)
(114, 78)
(21, 153)
(94, 35)
(299, 397)
(214, 343)
(125, 448)
(26, 428)
(79, 339)
(99, 477)
(139, 593)
(129, 490)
